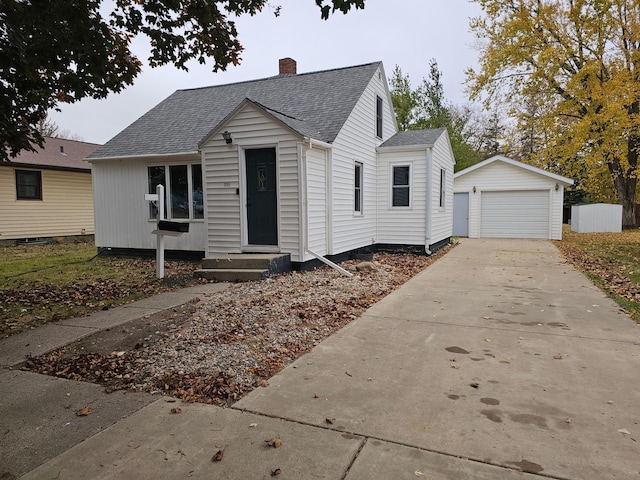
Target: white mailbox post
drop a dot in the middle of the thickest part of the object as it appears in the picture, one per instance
(158, 197)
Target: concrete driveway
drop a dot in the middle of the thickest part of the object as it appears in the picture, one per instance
(500, 361)
(500, 352)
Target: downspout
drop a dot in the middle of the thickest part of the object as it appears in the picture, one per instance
(429, 201)
(302, 198)
(324, 260)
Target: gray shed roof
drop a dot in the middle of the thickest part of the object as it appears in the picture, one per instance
(313, 104)
(414, 137)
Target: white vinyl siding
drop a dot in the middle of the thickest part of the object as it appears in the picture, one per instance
(122, 213)
(408, 225)
(402, 225)
(66, 207)
(357, 141)
(519, 214)
(500, 176)
(224, 197)
(441, 217)
(317, 204)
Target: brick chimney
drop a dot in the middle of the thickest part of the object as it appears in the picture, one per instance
(288, 66)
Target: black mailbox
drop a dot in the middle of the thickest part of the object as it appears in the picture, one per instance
(168, 226)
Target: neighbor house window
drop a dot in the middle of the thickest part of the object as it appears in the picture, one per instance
(378, 117)
(28, 185)
(357, 187)
(443, 179)
(183, 190)
(400, 186)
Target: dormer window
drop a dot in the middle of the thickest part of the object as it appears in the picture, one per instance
(378, 117)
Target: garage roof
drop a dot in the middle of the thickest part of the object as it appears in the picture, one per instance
(500, 158)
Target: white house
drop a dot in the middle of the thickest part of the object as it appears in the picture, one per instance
(287, 164)
(504, 198)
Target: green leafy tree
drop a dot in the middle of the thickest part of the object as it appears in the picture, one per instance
(60, 51)
(403, 98)
(427, 107)
(433, 111)
(577, 64)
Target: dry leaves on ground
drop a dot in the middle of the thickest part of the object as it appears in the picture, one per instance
(238, 338)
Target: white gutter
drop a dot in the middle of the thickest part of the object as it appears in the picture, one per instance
(317, 143)
(429, 201)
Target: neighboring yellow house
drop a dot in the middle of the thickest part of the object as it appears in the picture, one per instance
(47, 193)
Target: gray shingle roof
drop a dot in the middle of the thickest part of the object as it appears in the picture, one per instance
(414, 137)
(314, 104)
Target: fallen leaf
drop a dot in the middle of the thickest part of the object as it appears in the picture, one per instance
(263, 383)
(558, 356)
(275, 472)
(176, 410)
(274, 442)
(83, 412)
(568, 420)
(330, 420)
(253, 425)
(487, 318)
(474, 384)
(624, 431)
(418, 473)
(218, 456)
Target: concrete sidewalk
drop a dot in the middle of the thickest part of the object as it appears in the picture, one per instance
(498, 359)
(37, 412)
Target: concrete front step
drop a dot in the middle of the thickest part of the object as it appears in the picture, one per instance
(232, 274)
(243, 267)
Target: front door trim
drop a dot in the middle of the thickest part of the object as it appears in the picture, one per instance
(244, 226)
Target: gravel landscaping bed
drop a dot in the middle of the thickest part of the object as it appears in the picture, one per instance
(219, 349)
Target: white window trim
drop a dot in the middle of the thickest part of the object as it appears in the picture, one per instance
(442, 200)
(167, 189)
(391, 185)
(358, 213)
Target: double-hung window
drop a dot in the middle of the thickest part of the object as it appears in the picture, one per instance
(28, 185)
(378, 117)
(357, 188)
(183, 190)
(443, 185)
(400, 187)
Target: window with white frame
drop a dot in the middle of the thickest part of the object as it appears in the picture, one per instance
(183, 190)
(443, 186)
(378, 117)
(400, 187)
(357, 187)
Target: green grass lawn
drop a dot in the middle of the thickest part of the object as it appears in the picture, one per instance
(43, 283)
(611, 261)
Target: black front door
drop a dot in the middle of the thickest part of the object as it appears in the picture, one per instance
(262, 211)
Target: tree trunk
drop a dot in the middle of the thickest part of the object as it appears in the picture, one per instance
(625, 184)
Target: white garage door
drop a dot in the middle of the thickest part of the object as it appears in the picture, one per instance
(515, 214)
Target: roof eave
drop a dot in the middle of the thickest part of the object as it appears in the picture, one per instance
(194, 153)
(501, 158)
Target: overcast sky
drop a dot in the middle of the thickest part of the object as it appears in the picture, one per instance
(407, 33)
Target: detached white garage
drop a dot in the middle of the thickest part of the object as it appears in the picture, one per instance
(504, 198)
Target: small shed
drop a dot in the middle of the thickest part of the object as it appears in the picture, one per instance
(503, 198)
(596, 217)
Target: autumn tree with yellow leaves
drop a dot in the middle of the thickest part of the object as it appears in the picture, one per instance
(578, 63)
